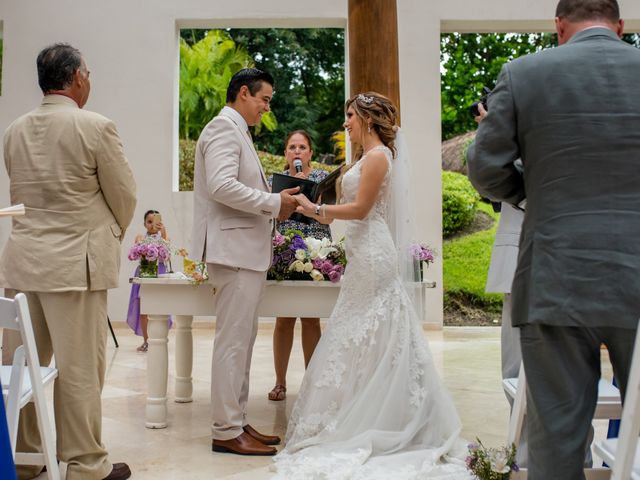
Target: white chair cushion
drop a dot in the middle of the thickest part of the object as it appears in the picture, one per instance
(47, 374)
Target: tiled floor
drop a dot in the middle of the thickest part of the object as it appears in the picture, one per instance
(467, 357)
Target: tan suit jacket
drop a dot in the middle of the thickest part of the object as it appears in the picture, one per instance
(68, 167)
(233, 207)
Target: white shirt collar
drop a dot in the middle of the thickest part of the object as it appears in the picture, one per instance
(236, 117)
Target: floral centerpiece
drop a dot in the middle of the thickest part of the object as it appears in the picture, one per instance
(491, 463)
(298, 258)
(422, 255)
(149, 251)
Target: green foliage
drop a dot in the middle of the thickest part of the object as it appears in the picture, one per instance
(466, 264)
(468, 62)
(308, 68)
(459, 202)
(206, 68)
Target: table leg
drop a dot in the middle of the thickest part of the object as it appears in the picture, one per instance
(157, 362)
(184, 358)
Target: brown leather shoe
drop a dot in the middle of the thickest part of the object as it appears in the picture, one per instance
(243, 444)
(121, 471)
(266, 439)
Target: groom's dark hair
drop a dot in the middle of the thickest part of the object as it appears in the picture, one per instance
(251, 77)
(585, 10)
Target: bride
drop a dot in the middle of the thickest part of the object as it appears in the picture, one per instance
(371, 405)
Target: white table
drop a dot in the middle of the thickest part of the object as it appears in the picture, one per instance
(161, 297)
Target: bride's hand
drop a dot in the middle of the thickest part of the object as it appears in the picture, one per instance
(305, 206)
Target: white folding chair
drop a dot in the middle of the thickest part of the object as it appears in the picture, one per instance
(608, 406)
(621, 453)
(24, 382)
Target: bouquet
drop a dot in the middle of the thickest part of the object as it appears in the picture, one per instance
(298, 258)
(149, 251)
(422, 254)
(491, 463)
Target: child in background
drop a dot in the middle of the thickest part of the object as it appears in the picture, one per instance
(137, 322)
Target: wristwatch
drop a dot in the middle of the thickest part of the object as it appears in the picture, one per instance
(317, 212)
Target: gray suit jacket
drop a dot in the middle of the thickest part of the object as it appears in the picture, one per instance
(68, 167)
(572, 114)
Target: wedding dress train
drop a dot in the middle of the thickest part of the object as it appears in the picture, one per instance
(371, 405)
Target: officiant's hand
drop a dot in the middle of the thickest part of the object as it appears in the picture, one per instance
(288, 202)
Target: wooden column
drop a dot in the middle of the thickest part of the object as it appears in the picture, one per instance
(373, 48)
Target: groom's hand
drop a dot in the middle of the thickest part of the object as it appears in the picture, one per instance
(288, 203)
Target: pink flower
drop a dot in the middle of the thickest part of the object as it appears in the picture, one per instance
(278, 239)
(327, 267)
(334, 276)
(151, 253)
(339, 269)
(317, 263)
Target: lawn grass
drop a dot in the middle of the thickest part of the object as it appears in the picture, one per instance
(466, 263)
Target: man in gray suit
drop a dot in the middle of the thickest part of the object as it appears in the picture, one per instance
(572, 114)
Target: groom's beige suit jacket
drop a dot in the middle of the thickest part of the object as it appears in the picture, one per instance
(234, 210)
(68, 167)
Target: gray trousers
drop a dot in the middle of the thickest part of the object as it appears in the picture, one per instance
(562, 365)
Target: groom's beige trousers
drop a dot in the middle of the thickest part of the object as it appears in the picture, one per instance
(237, 294)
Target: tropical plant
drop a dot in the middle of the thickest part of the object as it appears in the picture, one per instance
(206, 67)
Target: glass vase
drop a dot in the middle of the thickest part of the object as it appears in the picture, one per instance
(148, 268)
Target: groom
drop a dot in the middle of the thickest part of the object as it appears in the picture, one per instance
(232, 229)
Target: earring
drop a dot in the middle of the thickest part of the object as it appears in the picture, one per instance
(369, 128)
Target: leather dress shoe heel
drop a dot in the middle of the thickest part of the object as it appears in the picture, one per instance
(243, 444)
(266, 439)
(121, 471)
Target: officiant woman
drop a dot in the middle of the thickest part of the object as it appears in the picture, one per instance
(297, 147)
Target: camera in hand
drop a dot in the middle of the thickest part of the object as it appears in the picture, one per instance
(483, 100)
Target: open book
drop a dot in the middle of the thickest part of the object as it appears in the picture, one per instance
(12, 211)
(324, 192)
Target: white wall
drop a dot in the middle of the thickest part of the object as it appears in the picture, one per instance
(131, 50)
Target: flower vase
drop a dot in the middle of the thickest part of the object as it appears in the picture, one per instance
(417, 271)
(148, 268)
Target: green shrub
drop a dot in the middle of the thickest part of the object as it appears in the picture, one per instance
(459, 202)
(270, 163)
(465, 267)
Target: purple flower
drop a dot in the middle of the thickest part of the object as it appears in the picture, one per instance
(339, 269)
(151, 253)
(287, 256)
(515, 467)
(317, 263)
(334, 276)
(327, 267)
(278, 239)
(297, 243)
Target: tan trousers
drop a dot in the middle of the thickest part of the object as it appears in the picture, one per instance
(72, 326)
(238, 293)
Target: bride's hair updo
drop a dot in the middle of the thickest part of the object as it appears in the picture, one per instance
(378, 112)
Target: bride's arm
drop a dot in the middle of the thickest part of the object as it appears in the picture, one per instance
(372, 173)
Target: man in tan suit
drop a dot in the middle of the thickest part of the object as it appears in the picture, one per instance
(234, 214)
(68, 167)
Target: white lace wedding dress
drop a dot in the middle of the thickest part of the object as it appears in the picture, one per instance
(371, 405)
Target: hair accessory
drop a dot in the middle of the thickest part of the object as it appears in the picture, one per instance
(365, 99)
